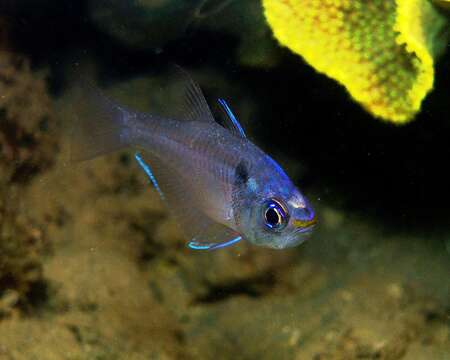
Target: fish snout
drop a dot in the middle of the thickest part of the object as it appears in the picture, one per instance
(304, 218)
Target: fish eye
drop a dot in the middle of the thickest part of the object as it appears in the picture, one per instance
(275, 215)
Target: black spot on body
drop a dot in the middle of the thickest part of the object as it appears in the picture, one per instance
(241, 196)
(241, 173)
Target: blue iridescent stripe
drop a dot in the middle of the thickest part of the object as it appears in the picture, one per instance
(195, 245)
(149, 173)
(233, 118)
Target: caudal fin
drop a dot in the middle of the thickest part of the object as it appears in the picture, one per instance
(100, 125)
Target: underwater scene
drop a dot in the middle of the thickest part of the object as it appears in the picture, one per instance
(224, 179)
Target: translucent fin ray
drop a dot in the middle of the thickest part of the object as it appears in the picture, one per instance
(100, 124)
(190, 104)
(232, 122)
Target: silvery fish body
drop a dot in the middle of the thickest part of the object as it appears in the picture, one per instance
(219, 185)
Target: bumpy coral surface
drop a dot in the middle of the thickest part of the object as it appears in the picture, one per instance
(382, 51)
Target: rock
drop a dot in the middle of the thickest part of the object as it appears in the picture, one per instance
(151, 24)
(245, 21)
(28, 147)
(147, 24)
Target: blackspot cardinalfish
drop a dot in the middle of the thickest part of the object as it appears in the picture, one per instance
(219, 185)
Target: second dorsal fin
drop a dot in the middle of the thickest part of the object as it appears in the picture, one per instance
(231, 121)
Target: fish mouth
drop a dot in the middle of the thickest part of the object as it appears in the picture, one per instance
(303, 226)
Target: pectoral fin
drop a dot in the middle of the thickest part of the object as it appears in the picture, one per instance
(149, 173)
(186, 204)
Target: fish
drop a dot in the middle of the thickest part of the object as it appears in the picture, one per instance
(219, 185)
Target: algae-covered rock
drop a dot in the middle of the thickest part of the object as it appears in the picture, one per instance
(27, 126)
(27, 147)
(21, 246)
(328, 308)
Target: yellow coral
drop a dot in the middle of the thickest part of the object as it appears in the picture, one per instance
(380, 50)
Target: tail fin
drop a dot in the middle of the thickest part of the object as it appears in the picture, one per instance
(100, 125)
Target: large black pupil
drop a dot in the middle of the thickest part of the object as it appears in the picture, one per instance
(272, 217)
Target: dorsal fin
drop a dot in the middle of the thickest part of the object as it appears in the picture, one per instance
(192, 105)
(231, 121)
